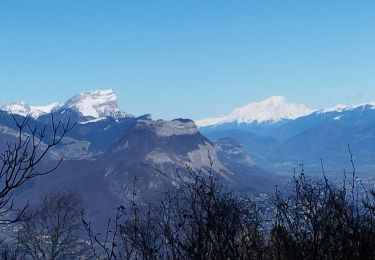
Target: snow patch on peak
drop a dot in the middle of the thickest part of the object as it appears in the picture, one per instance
(48, 108)
(272, 109)
(93, 120)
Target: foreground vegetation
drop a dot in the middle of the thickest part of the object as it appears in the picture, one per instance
(201, 219)
(198, 219)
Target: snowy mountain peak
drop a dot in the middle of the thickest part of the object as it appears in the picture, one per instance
(342, 108)
(336, 108)
(96, 104)
(20, 108)
(272, 109)
(23, 109)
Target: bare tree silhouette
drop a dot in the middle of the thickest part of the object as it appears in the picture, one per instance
(20, 161)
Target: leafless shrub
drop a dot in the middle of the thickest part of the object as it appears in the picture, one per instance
(321, 220)
(20, 161)
(53, 229)
(197, 220)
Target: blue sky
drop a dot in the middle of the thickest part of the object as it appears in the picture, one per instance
(193, 58)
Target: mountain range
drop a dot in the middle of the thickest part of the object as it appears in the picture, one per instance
(270, 110)
(108, 149)
(280, 136)
(90, 104)
(277, 134)
(252, 148)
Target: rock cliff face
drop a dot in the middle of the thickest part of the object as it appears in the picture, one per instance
(155, 152)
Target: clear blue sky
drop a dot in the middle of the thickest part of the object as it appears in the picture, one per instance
(188, 58)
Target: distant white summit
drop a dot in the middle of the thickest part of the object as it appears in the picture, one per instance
(341, 108)
(95, 104)
(272, 109)
(23, 109)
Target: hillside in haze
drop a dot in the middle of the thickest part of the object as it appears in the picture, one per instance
(280, 135)
(108, 149)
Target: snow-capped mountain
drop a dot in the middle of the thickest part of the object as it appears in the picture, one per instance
(23, 109)
(273, 109)
(93, 104)
(96, 104)
(342, 108)
(321, 134)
